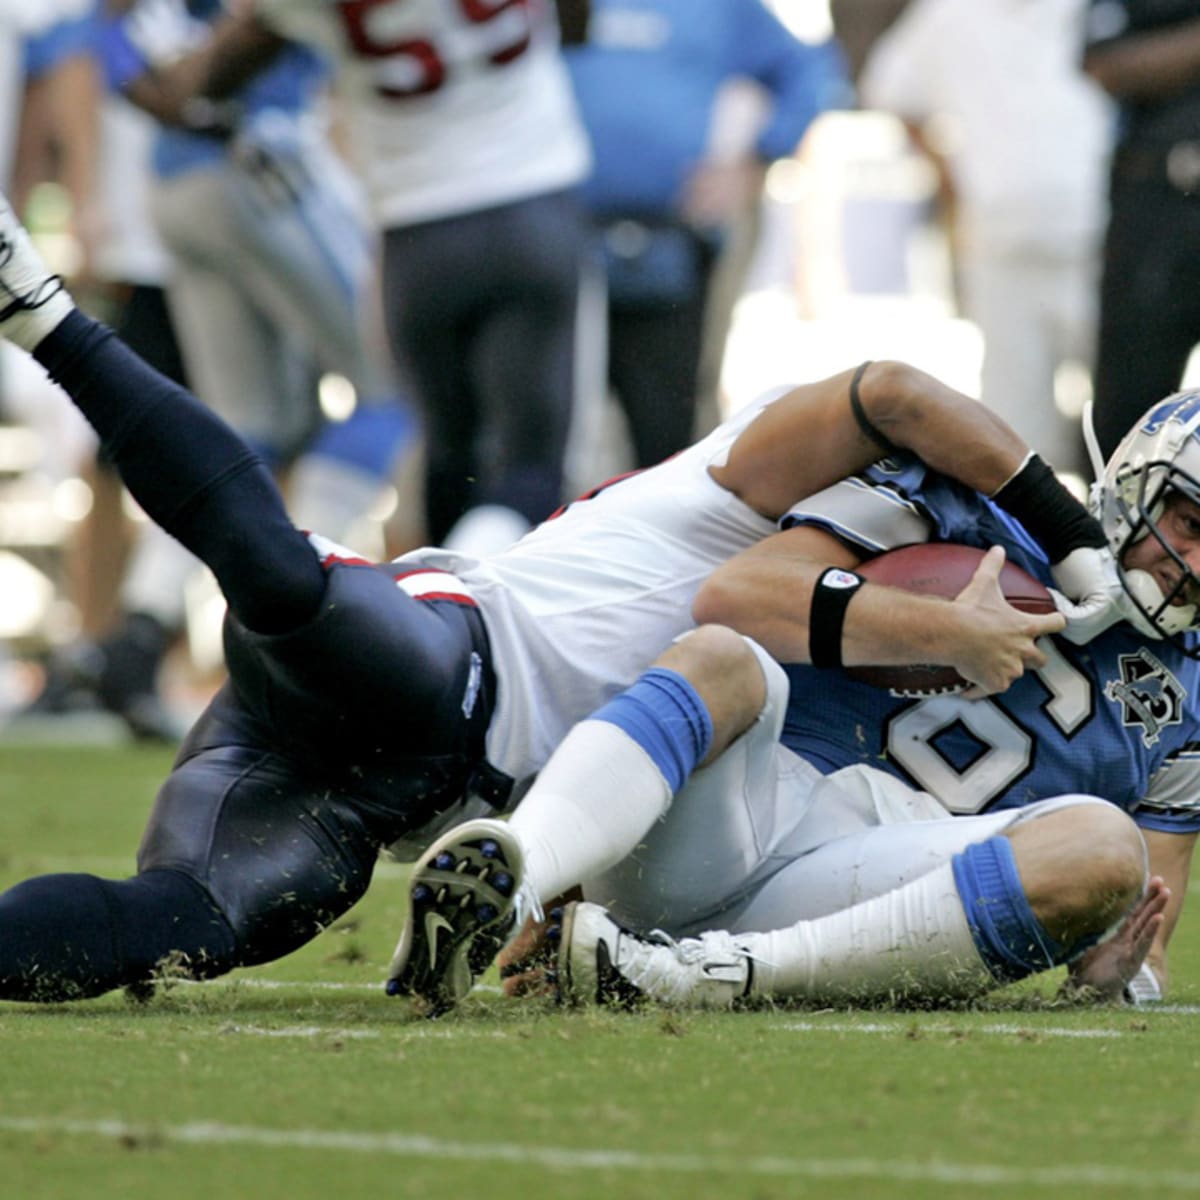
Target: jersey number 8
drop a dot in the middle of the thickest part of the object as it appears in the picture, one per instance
(1006, 748)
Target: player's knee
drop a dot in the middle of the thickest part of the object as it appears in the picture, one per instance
(725, 672)
(1117, 856)
(712, 650)
(1084, 866)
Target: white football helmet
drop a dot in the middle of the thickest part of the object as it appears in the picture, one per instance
(1160, 455)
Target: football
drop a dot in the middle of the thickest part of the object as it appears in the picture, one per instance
(940, 569)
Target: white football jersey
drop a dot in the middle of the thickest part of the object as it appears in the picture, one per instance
(583, 604)
(456, 105)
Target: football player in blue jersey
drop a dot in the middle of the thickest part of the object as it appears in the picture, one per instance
(844, 841)
(368, 703)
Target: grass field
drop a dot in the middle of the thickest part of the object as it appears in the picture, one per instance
(303, 1080)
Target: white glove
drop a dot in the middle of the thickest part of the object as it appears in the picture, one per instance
(1089, 593)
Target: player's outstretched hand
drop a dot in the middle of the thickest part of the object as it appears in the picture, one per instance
(1104, 971)
(998, 641)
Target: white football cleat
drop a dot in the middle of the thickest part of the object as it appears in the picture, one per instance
(32, 300)
(602, 962)
(466, 894)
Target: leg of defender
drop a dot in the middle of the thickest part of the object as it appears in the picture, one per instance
(462, 909)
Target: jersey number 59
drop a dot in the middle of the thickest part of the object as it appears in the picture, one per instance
(416, 66)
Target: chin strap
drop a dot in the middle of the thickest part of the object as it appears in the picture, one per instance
(1148, 595)
(1092, 442)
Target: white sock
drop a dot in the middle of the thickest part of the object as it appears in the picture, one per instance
(24, 276)
(591, 805)
(29, 327)
(912, 942)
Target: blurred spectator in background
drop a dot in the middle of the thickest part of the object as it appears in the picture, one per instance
(272, 271)
(647, 78)
(992, 91)
(472, 150)
(123, 284)
(858, 24)
(1146, 53)
(49, 92)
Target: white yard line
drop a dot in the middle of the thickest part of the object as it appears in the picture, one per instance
(406, 1145)
(424, 1031)
(904, 1026)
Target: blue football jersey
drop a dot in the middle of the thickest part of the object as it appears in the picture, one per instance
(1115, 718)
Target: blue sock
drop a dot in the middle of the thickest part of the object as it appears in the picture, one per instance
(1009, 938)
(663, 713)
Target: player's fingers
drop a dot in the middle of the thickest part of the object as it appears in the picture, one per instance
(1150, 908)
(987, 575)
(1040, 625)
(1146, 936)
(1034, 656)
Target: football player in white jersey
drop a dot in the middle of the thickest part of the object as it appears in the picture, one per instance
(368, 701)
(842, 841)
(472, 150)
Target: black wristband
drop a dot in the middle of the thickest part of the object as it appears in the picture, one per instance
(860, 414)
(1048, 511)
(831, 597)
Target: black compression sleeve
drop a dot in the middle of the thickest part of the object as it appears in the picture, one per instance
(1059, 522)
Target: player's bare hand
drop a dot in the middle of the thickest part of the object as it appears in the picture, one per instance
(524, 963)
(998, 643)
(1104, 971)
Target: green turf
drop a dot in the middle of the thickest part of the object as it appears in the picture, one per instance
(301, 1079)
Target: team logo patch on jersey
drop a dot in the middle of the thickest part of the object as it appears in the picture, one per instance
(474, 682)
(1149, 695)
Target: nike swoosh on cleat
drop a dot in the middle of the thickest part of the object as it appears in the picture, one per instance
(729, 972)
(433, 922)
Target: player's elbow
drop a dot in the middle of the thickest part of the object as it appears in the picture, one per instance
(892, 395)
(720, 601)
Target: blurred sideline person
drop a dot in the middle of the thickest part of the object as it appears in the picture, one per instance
(48, 102)
(929, 847)
(126, 273)
(1146, 55)
(369, 703)
(468, 138)
(858, 25)
(270, 282)
(1022, 174)
(663, 206)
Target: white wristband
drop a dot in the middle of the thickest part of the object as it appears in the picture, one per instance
(1143, 988)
